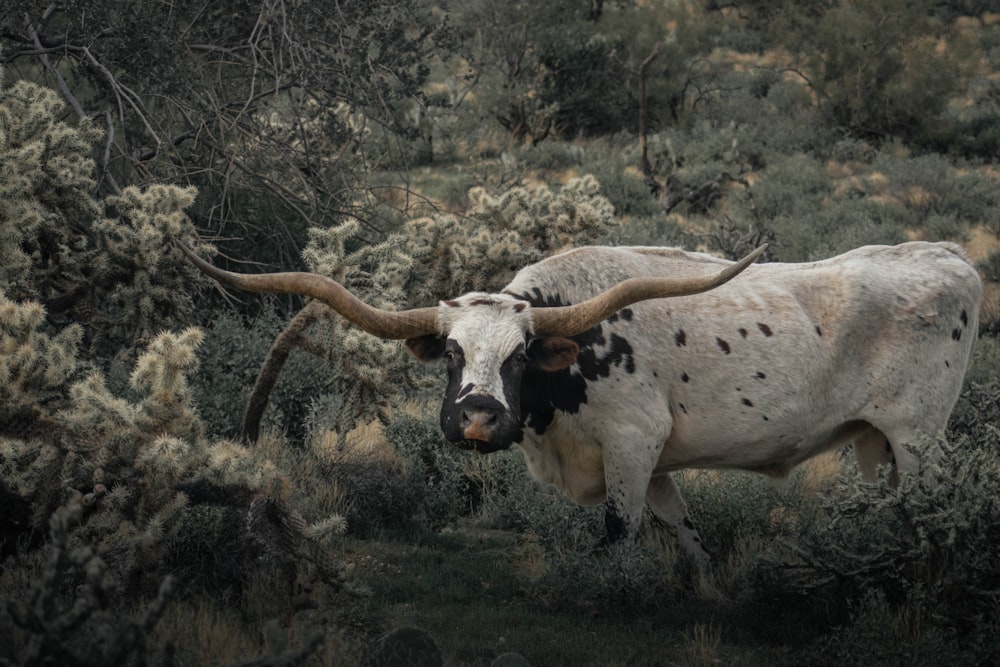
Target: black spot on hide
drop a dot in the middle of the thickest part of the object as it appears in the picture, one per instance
(965, 318)
(684, 377)
(764, 329)
(624, 314)
(819, 332)
(680, 338)
(543, 392)
(743, 332)
(683, 408)
(723, 345)
(760, 375)
(956, 334)
(747, 402)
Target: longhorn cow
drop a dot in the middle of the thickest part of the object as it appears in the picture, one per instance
(607, 386)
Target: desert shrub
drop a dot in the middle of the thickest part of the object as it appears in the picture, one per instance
(991, 266)
(614, 162)
(929, 545)
(880, 632)
(386, 496)
(729, 506)
(442, 491)
(984, 367)
(230, 359)
(930, 185)
(767, 115)
(809, 219)
(639, 578)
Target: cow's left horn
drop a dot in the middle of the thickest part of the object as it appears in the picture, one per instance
(575, 319)
(382, 323)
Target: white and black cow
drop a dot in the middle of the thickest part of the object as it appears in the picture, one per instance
(606, 386)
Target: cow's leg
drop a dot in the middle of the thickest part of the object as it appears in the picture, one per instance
(902, 442)
(622, 514)
(626, 478)
(872, 449)
(664, 499)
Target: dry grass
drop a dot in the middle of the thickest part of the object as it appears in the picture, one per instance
(206, 632)
(981, 243)
(702, 645)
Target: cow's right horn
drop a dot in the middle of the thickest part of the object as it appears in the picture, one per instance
(378, 322)
(575, 319)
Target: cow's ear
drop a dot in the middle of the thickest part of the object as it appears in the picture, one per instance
(553, 353)
(426, 348)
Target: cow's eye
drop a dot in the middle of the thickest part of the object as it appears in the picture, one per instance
(519, 359)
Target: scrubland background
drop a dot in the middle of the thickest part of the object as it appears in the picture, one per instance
(190, 477)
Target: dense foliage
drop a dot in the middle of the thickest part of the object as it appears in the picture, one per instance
(414, 151)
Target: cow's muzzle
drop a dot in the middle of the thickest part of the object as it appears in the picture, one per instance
(478, 423)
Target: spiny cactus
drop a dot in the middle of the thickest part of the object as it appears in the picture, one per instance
(133, 462)
(106, 265)
(500, 234)
(46, 626)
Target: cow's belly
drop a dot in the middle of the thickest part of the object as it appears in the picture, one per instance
(773, 453)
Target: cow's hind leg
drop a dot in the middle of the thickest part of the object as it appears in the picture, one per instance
(664, 499)
(897, 445)
(871, 450)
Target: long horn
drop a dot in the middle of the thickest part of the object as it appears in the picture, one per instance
(378, 322)
(575, 319)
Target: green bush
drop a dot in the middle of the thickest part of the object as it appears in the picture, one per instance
(442, 491)
(231, 358)
(932, 185)
(991, 266)
(928, 546)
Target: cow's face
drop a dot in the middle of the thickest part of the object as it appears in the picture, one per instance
(486, 347)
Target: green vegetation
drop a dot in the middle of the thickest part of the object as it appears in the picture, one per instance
(192, 478)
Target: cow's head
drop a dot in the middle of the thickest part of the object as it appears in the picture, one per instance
(486, 340)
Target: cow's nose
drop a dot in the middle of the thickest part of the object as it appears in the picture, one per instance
(478, 423)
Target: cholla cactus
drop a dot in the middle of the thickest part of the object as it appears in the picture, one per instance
(114, 275)
(45, 187)
(364, 370)
(130, 462)
(34, 367)
(500, 234)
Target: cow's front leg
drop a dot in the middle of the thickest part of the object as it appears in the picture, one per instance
(665, 501)
(626, 479)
